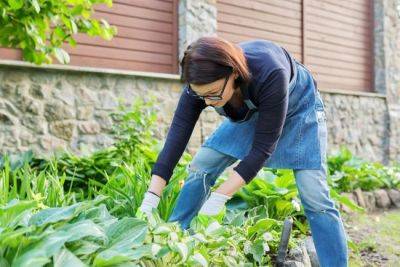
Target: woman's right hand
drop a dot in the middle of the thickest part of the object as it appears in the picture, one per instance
(152, 196)
(149, 202)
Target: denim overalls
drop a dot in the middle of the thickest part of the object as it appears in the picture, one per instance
(298, 147)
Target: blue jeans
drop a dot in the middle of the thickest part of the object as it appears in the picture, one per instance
(325, 221)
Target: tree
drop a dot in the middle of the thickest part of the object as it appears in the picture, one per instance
(40, 27)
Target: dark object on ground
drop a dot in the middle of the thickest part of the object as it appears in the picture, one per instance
(283, 245)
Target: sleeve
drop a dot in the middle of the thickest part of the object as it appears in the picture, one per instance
(273, 105)
(185, 117)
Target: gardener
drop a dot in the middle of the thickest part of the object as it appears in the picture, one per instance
(274, 118)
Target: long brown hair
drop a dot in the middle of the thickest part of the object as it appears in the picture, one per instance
(211, 58)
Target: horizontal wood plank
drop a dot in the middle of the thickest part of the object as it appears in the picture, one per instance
(254, 23)
(115, 53)
(144, 35)
(325, 14)
(10, 53)
(338, 72)
(265, 8)
(126, 44)
(153, 4)
(337, 10)
(137, 12)
(136, 23)
(98, 62)
(229, 28)
(262, 16)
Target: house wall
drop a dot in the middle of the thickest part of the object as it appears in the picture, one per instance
(42, 108)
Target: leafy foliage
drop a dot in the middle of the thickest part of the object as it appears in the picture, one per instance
(348, 172)
(40, 27)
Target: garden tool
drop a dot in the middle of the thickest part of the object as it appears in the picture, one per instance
(284, 242)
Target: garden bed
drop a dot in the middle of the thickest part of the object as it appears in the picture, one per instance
(81, 209)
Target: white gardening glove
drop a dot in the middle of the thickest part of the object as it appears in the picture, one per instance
(214, 204)
(212, 210)
(150, 201)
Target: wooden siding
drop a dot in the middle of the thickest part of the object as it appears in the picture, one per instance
(333, 38)
(147, 38)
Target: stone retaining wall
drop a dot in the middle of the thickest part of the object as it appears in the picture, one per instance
(44, 110)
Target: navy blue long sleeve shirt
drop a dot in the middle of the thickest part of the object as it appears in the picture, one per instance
(269, 65)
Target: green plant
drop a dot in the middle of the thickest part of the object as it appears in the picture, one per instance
(85, 233)
(41, 27)
(348, 172)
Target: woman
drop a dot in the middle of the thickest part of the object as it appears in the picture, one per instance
(274, 117)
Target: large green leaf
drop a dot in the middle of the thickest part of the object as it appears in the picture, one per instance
(118, 255)
(128, 232)
(15, 210)
(52, 215)
(64, 258)
(262, 226)
(52, 244)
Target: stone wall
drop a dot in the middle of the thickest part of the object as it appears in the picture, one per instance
(387, 65)
(359, 122)
(44, 110)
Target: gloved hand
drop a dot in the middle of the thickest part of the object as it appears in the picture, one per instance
(150, 201)
(213, 209)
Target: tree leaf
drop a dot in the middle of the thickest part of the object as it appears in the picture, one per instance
(61, 55)
(35, 5)
(16, 4)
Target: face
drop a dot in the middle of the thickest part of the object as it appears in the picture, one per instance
(215, 88)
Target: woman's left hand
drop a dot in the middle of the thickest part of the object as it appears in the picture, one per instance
(212, 210)
(214, 207)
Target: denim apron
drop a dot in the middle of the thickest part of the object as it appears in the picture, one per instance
(298, 146)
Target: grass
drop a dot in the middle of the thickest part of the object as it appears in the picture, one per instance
(378, 238)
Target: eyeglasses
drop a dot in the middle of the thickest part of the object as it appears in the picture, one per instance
(210, 97)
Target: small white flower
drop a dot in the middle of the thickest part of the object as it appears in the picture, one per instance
(174, 236)
(296, 205)
(265, 246)
(267, 236)
(247, 247)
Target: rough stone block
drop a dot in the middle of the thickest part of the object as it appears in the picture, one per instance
(312, 253)
(299, 254)
(89, 127)
(55, 110)
(359, 196)
(62, 129)
(394, 196)
(382, 199)
(370, 201)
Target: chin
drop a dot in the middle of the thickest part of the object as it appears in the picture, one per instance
(219, 105)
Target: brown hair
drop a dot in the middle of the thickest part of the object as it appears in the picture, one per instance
(211, 58)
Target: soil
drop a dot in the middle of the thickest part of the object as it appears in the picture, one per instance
(377, 237)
